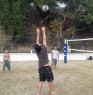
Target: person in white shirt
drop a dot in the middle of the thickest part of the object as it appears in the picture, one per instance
(54, 57)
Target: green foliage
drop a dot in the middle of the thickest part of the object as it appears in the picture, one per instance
(14, 21)
(55, 25)
(89, 18)
(72, 5)
(13, 16)
(5, 17)
(41, 2)
(33, 28)
(79, 7)
(88, 5)
(7, 46)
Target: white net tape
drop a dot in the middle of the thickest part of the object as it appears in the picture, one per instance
(80, 45)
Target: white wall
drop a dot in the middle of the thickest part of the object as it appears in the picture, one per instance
(33, 57)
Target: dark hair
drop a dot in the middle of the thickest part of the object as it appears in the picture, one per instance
(37, 47)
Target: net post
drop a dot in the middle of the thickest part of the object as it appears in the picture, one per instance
(31, 51)
(65, 51)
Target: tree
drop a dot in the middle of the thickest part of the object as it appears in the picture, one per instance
(88, 6)
(82, 8)
(42, 2)
(57, 27)
(13, 17)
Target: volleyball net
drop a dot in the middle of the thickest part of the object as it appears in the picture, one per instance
(77, 46)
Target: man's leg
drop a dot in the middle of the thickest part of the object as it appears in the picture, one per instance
(51, 85)
(55, 63)
(52, 63)
(4, 66)
(8, 66)
(50, 78)
(40, 87)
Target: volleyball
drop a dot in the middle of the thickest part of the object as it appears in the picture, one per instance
(45, 8)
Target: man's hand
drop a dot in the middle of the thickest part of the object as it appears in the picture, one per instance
(38, 31)
(43, 28)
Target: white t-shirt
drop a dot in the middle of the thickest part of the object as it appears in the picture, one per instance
(55, 54)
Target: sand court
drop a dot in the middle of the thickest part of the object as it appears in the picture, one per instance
(73, 78)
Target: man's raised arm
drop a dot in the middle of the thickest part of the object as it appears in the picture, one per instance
(38, 34)
(44, 35)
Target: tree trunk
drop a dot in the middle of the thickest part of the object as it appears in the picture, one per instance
(58, 39)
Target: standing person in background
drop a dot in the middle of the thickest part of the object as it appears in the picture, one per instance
(54, 57)
(45, 72)
(6, 60)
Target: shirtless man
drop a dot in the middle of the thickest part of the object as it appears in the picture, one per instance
(6, 60)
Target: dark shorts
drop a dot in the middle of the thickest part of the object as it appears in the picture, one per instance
(45, 73)
(6, 64)
(54, 61)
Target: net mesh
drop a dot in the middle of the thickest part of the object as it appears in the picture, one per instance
(80, 45)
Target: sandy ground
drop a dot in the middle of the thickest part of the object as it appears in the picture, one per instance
(74, 78)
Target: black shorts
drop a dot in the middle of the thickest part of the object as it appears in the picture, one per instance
(45, 73)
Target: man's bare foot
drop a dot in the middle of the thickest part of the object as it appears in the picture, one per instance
(38, 94)
(53, 93)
